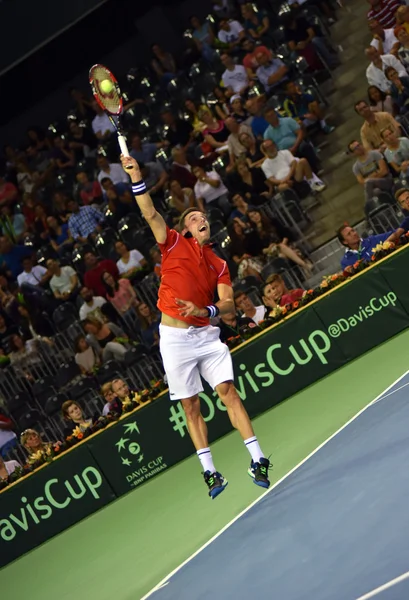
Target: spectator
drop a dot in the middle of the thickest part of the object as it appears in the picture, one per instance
(235, 147)
(32, 442)
(27, 179)
(402, 17)
(240, 208)
(81, 141)
(31, 276)
(150, 321)
(251, 183)
(143, 151)
(74, 415)
(193, 109)
(178, 131)
(280, 293)
(40, 222)
(370, 170)
(24, 356)
(287, 134)
(271, 72)
(379, 100)
(210, 191)
(256, 106)
(268, 295)
(181, 198)
(84, 221)
(252, 151)
(246, 305)
(230, 33)
(383, 11)
(156, 259)
(64, 281)
(113, 404)
(384, 40)
(114, 171)
(399, 89)
(163, 64)
(238, 111)
(397, 152)
(284, 171)
(83, 103)
(373, 125)
(222, 104)
(256, 24)
(304, 108)
(155, 177)
(94, 269)
(302, 40)
(8, 191)
(11, 256)
(101, 125)
(7, 468)
(85, 356)
(235, 78)
(375, 73)
(131, 261)
(120, 199)
(60, 236)
(92, 305)
(182, 169)
(7, 329)
(230, 325)
(215, 134)
(8, 439)
(120, 294)
(244, 249)
(90, 191)
(121, 390)
(107, 339)
(204, 38)
(62, 157)
(250, 62)
(403, 51)
(12, 223)
(357, 248)
(32, 323)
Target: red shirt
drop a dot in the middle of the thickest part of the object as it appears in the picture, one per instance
(8, 192)
(189, 272)
(92, 278)
(385, 13)
(291, 296)
(250, 62)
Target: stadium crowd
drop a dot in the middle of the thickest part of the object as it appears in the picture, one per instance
(233, 128)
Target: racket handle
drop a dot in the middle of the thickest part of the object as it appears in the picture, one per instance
(124, 147)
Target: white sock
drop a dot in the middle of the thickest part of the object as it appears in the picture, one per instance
(323, 123)
(205, 457)
(313, 179)
(253, 447)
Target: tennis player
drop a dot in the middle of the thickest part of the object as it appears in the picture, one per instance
(189, 345)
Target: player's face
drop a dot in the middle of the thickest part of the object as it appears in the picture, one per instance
(198, 225)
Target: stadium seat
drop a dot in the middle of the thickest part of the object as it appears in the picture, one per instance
(109, 371)
(64, 316)
(54, 403)
(66, 373)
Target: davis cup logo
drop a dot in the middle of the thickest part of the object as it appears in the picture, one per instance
(130, 448)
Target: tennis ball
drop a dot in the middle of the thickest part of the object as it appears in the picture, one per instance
(106, 86)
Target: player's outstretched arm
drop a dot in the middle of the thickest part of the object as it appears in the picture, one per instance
(143, 199)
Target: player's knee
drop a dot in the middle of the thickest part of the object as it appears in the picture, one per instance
(191, 406)
(228, 393)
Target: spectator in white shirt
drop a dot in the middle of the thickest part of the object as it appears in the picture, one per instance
(403, 50)
(384, 40)
(32, 276)
(64, 282)
(235, 78)
(230, 33)
(114, 171)
(92, 305)
(247, 307)
(130, 262)
(101, 125)
(375, 73)
(236, 149)
(210, 191)
(271, 72)
(8, 467)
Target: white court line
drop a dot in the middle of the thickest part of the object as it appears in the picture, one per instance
(390, 393)
(384, 587)
(166, 579)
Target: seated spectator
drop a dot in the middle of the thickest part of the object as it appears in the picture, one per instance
(240, 208)
(284, 171)
(101, 125)
(275, 239)
(271, 72)
(92, 305)
(8, 300)
(7, 329)
(82, 102)
(121, 390)
(163, 64)
(222, 104)
(235, 78)
(12, 224)
(244, 249)
(370, 169)
(256, 24)
(131, 261)
(397, 152)
(75, 417)
(33, 323)
(60, 236)
(302, 40)
(107, 339)
(86, 357)
(216, 133)
(81, 141)
(380, 101)
(155, 177)
(8, 439)
(384, 12)
(27, 179)
(40, 223)
(203, 37)
(249, 310)
(256, 106)
(7, 468)
(113, 404)
(399, 89)
(304, 108)
(252, 151)
(120, 294)
(32, 442)
(384, 40)
(60, 210)
(250, 183)
(11, 256)
(373, 125)
(178, 131)
(24, 356)
(230, 325)
(210, 191)
(64, 281)
(280, 293)
(401, 15)
(233, 142)
(114, 171)
(143, 151)
(8, 191)
(120, 199)
(181, 169)
(287, 134)
(89, 191)
(249, 61)
(63, 158)
(84, 221)
(375, 73)
(94, 269)
(31, 276)
(230, 33)
(357, 248)
(403, 50)
(156, 260)
(181, 198)
(268, 295)
(150, 321)
(193, 108)
(238, 111)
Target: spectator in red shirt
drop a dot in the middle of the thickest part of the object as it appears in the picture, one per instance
(280, 293)
(249, 61)
(384, 12)
(90, 191)
(95, 268)
(8, 191)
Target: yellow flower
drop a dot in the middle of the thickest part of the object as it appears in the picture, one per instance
(76, 431)
(35, 457)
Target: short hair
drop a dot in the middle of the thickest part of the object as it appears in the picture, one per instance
(239, 294)
(105, 179)
(184, 214)
(389, 69)
(269, 109)
(106, 387)
(339, 233)
(350, 144)
(386, 129)
(66, 405)
(398, 29)
(360, 102)
(399, 193)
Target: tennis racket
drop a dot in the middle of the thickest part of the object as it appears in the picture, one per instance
(110, 102)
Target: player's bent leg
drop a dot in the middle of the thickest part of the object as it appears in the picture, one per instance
(240, 420)
(198, 433)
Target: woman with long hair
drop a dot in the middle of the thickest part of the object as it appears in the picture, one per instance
(204, 38)
(85, 356)
(254, 155)
(244, 249)
(181, 198)
(120, 293)
(379, 101)
(237, 109)
(32, 442)
(193, 108)
(108, 340)
(131, 263)
(60, 236)
(149, 321)
(210, 191)
(222, 106)
(250, 182)
(215, 133)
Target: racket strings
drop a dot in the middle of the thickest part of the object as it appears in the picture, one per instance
(111, 102)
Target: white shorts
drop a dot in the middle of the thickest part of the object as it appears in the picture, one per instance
(190, 353)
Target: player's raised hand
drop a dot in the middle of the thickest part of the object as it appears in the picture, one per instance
(188, 309)
(131, 167)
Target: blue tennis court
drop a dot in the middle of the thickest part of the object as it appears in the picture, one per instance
(335, 528)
